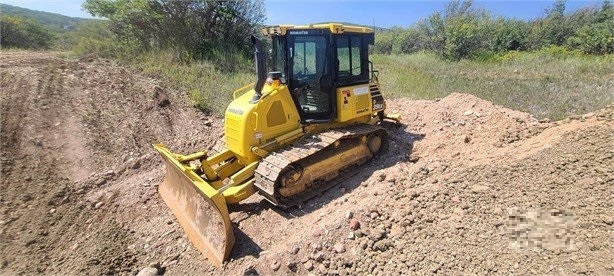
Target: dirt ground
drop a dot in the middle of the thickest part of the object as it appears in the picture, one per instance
(467, 187)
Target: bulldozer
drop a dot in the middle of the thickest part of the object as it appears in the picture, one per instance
(311, 119)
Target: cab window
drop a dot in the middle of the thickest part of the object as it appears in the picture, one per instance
(349, 56)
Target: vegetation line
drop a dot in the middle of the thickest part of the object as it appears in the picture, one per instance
(552, 66)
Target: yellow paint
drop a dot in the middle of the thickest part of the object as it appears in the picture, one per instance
(354, 102)
(334, 28)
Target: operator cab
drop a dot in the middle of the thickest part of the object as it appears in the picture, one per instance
(315, 60)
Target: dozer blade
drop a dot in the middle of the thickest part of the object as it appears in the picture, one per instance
(199, 208)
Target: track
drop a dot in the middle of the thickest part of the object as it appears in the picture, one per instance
(270, 169)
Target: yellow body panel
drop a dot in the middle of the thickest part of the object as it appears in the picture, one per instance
(353, 101)
(249, 125)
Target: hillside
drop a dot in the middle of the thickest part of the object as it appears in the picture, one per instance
(53, 21)
(467, 187)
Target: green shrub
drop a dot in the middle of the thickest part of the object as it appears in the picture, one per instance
(550, 83)
(24, 33)
(462, 31)
(558, 52)
(208, 87)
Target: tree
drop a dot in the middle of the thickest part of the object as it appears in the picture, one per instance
(433, 28)
(19, 32)
(596, 35)
(202, 28)
(463, 30)
(505, 34)
(553, 29)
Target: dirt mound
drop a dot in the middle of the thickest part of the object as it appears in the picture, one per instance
(77, 162)
(466, 187)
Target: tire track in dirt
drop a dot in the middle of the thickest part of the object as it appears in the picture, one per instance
(40, 206)
(70, 129)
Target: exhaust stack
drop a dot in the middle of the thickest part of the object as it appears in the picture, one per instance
(260, 69)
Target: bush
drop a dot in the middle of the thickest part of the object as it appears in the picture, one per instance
(19, 32)
(597, 35)
(464, 32)
(95, 37)
(206, 30)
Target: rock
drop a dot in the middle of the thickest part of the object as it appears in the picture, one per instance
(354, 224)
(316, 246)
(349, 215)
(98, 205)
(148, 271)
(608, 220)
(249, 271)
(374, 215)
(318, 256)
(305, 259)
(467, 139)
(351, 236)
(100, 182)
(339, 247)
(291, 266)
(275, 265)
(136, 164)
(468, 112)
(308, 265)
(588, 115)
(544, 120)
(377, 235)
(479, 188)
(52, 211)
(413, 158)
(294, 250)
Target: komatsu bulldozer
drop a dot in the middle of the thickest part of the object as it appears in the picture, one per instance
(312, 118)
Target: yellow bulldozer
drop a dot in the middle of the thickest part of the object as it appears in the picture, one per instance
(311, 119)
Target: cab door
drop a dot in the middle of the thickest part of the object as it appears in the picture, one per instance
(309, 68)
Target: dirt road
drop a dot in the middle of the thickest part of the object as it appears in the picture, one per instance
(466, 187)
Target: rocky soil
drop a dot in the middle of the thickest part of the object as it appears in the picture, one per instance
(467, 187)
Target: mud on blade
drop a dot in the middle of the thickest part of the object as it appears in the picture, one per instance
(198, 207)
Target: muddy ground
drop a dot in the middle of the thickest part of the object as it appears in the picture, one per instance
(467, 187)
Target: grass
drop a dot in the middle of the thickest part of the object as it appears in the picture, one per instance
(545, 84)
(208, 87)
(548, 84)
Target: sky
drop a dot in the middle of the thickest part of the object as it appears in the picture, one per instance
(384, 13)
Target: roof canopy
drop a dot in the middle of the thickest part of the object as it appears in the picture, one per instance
(335, 28)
